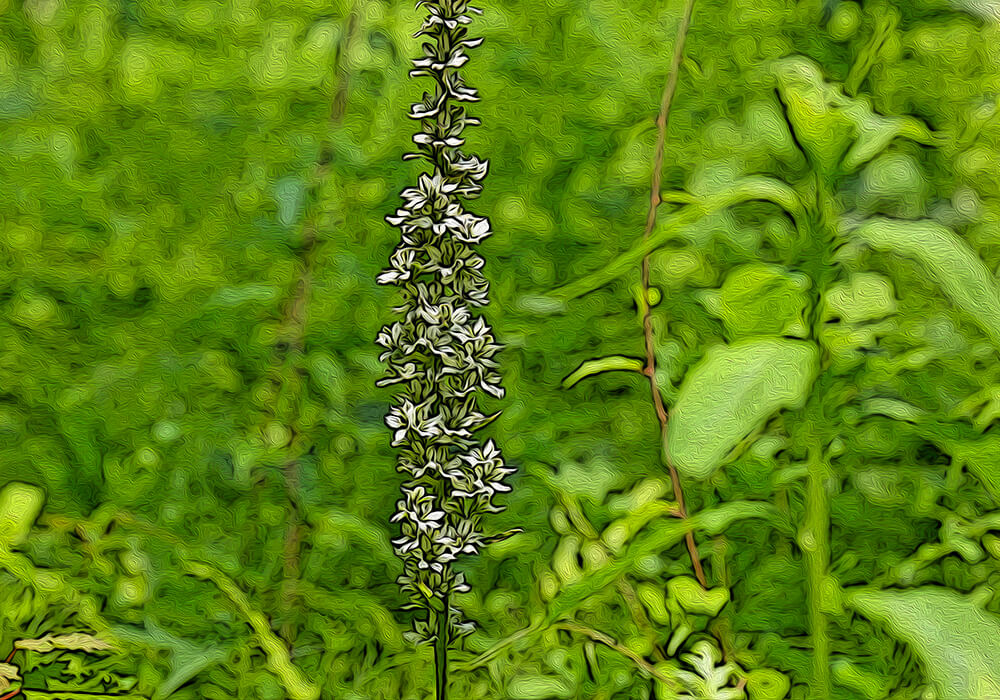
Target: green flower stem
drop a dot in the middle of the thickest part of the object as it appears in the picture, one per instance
(441, 653)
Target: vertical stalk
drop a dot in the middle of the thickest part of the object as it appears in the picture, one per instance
(814, 540)
(814, 537)
(441, 653)
(647, 324)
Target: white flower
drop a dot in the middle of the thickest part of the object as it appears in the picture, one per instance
(439, 352)
(407, 417)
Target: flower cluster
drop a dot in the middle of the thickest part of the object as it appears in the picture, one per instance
(439, 351)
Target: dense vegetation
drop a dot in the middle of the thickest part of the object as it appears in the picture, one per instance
(196, 480)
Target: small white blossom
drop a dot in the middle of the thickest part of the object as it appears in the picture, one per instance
(439, 352)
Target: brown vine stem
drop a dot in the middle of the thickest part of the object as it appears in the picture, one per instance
(647, 322)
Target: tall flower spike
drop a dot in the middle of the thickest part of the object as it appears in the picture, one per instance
(440, 352)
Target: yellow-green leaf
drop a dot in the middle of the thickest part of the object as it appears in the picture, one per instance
(602, 364)
(730, 393)
(20, 505)
(694, 599)
(958, 642)
(947, 259)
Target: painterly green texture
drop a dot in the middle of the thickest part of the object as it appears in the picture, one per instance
(192, 197)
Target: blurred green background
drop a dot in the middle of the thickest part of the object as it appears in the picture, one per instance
(191, 222)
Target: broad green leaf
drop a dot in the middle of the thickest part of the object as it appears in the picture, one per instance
(764, 121)
(866, 296)
(653, 598)
(621, 531)
(958, 643)
(849, 675)
(730, 393)
(839, 133)
(760, 299)
(894, 183)
(824, 131)
(602, 364)
(20, 505)
(876, 132)
(893, 408)
(947, 259)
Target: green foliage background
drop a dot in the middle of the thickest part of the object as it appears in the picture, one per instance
(191, 222)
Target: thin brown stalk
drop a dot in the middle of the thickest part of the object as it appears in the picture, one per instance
(294, 317)
(647, 322)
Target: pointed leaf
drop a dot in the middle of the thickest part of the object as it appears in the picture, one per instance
(76, 642)
(602, 364)
(958, 642)
(677, 226)
(947, 259)
(730, 393)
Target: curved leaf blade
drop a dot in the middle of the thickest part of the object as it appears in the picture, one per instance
(730, 393)
(958, 642)
(673, 227)
(949, 260)
(602, 364)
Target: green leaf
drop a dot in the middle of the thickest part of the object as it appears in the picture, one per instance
(824, 132)
(866, 296)
(662, 534)
(676, 226)
(67, 695)
(767, 684)
(298, 686)
(536, 687)
(20, 505)
(947, 259)
(694, 599)
(602, 364)
(730, 393)
(759, 299)
(76, 641)
(839, 133)
(655, 602)
(958, 643)
(849, 675)
(894, 184)
(187, 659)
